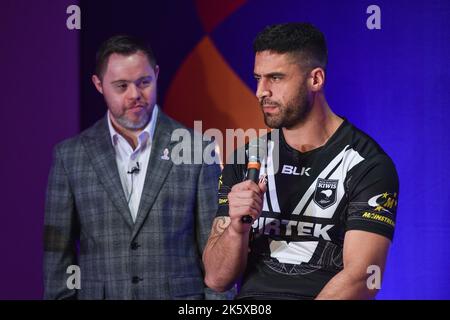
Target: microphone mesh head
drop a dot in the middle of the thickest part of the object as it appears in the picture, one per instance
(257, 150)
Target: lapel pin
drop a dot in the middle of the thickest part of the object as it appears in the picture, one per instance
(165, 155)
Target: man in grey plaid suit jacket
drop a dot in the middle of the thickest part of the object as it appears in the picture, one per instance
(154, 253)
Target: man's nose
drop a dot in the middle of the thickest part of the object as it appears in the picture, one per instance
(263, 90)
(134, 92)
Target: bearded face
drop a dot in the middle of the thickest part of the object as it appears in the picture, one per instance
(278, 114)
(282, 89)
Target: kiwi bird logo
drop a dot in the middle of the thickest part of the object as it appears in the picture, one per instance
(327, 193)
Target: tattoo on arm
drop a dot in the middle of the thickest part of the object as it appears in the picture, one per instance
(219, 226)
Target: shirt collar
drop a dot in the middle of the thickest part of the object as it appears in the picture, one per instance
(148, 131)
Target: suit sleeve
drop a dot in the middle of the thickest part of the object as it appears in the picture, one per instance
(206, 202)
(60, 233)
(206, 206)
(373, 190)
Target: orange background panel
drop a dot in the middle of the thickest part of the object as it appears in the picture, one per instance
(206, 88)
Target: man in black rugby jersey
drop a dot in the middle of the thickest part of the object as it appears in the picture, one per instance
(324, 219)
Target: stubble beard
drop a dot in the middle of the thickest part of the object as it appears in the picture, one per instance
(134, 125)
(293, 113)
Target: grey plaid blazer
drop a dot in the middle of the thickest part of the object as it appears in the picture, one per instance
(88, 223)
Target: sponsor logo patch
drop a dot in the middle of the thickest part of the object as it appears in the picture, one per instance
(385, 202)
(325, 193)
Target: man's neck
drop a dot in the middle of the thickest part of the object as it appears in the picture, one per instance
(315, 130)
(131, 136)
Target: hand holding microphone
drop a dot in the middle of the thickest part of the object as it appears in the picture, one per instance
(246, 198)
(245, 201)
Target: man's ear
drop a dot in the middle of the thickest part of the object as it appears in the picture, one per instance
(156, 69)
(316, 79)
(97, 83)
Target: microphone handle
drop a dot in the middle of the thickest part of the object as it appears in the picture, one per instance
(253, 175)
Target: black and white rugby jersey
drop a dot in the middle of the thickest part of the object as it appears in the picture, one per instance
(313, 198)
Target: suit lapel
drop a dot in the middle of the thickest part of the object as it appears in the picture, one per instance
(102, 155)
(157, 169)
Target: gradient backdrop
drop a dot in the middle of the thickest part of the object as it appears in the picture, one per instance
(392, 83)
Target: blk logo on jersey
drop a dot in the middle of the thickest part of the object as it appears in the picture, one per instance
(287, 169)
(325, 193)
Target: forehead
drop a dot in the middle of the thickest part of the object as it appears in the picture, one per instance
(128, 66)
(270, 61)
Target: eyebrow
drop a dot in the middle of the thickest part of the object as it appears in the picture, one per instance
(128, 81)
(270, 74)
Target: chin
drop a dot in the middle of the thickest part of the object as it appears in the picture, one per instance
(134, 124)
(272, 122)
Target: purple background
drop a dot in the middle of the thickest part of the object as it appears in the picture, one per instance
(39, 104)
(392, 83)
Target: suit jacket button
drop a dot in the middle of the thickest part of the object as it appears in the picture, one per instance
(136, 279)
(134, 245)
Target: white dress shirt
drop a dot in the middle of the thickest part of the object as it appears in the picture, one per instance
(127, 159)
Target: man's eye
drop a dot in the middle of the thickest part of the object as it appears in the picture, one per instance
(122, 86)
(143, 83)
(276, 78)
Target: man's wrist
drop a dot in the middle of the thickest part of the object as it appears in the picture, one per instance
(235, 234)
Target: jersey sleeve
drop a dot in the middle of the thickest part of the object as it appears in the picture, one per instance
(231, 175)
(373, 197)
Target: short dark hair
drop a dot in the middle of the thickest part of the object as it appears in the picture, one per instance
(121, 44)
(296, 38)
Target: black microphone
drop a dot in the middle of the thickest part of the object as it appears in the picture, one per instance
(253, 167)
(134, 169)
